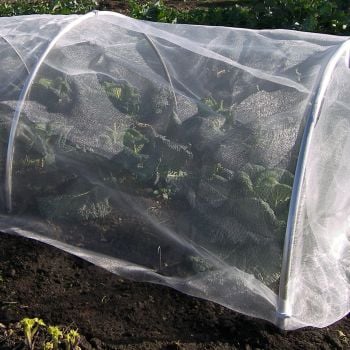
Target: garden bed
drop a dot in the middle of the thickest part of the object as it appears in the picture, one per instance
(114, 313)
(83, 179)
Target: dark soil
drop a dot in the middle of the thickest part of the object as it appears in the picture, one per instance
(114, 313)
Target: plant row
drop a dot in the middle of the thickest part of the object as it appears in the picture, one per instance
(323, 16)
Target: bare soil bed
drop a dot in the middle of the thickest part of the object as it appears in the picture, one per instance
(114, 313)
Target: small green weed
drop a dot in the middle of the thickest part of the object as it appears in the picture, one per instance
(54, 337)
(31, 327)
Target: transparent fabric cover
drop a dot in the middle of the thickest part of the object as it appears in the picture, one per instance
(170, 154)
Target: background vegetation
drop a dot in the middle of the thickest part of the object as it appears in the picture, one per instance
(65, 7)
(324, 16)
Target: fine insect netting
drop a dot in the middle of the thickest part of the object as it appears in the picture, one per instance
(212, 160)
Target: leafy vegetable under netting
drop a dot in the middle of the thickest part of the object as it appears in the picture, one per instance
(212, 160)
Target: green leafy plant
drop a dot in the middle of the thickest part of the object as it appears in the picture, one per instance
(134, 140)
(72, 340)
(73, 207)
(56, 334)
(269, 190)
(93, 211)
(48, 346)
(68, 339)
(55, 337)
(124, 96)
(40, 141)
(56, 94)
(64, 7)
(59, 84)
(31, 327)
(163, 193)
(153, 11)
(210, 105)
(150, 156)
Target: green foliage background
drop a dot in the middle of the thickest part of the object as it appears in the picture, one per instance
(323, 16)
(55, 7)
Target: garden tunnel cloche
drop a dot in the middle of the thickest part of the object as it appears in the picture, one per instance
(212, 160)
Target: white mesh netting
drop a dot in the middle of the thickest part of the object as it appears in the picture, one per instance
(209, 159)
